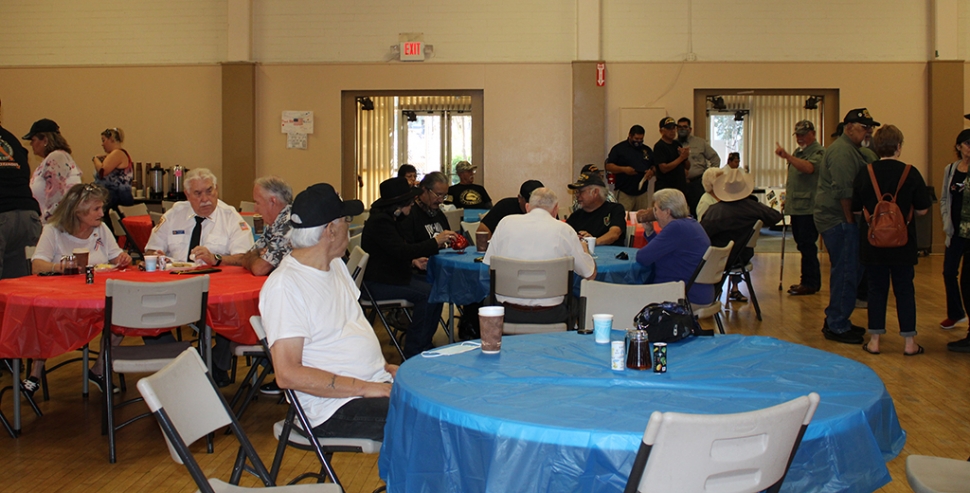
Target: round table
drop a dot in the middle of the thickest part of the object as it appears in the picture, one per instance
(43, 317)
(547, 413)
(458, 278)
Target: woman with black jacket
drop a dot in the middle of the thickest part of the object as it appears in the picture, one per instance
(393, 252)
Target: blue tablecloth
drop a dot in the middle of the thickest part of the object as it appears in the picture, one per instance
(547, 414)
(474, 215)
(457, 278)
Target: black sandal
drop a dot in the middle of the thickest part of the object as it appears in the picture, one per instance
(736, 296)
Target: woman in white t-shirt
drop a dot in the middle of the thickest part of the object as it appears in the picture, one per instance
(76, 223)
(57, 172)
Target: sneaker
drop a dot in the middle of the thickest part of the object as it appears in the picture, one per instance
(862, 304)
(98, 381)
(961, 346)
(30, 385)
(950, 323)
(848, 337)
(270, 389)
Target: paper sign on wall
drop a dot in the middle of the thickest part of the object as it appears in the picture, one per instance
(296, 125)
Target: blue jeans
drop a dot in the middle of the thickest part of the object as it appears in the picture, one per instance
(902, 278)
(805, 235)
(842, 242)
(954, 263)
(425, 317)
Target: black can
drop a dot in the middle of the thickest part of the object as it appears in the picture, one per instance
(660, 357)
(89, 274)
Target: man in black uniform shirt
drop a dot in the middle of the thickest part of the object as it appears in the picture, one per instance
(630, 163)
(606, 221)
(19, 213)
(508, 206)
(426, 219)
(670, 159)
(466, 194)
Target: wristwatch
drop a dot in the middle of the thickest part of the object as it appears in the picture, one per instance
(218, 258)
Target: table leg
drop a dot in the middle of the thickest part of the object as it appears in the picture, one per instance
(16, 396)
(84, 372)
(451, 323)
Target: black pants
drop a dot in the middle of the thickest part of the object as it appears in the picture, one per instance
(806, 237)
(902, 281)
(695, 190)
(359, 418)
(554, 315)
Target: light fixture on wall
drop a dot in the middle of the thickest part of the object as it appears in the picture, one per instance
(740, 114)
(717, 102)
(812, 102)
(366, 104)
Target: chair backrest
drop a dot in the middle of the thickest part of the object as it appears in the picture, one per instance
(156, 305)
(755, 234)
(156, 217)
(471, 228)
(354, 241)
(711, 268)
(531, 279)
(631, 232)
(357, 264)
(360, 219)
(743, 452)
(455, 217)
(187, 405)
(247, 206)
(28, 253)
(624, 301)
(167, 205)
(134, 210)
(116, 227)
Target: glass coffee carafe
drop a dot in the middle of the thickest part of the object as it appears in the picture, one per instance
(638, 350)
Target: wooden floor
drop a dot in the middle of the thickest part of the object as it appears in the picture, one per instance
(64, 450)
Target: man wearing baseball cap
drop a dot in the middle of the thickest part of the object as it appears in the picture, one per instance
(606, 221)
(800, 203)
(840, 164)
(322, 345)
(467, 194)
(670, 159)
(507, 207)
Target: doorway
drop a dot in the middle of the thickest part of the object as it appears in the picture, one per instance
(430, 130)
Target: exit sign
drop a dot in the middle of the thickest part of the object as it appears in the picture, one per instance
(412, 51)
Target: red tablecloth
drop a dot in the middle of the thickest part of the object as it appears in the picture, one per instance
(140, 228)
(42, 317)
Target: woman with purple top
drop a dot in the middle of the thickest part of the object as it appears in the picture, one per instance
(679, 247)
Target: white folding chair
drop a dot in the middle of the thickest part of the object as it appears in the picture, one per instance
(247, 206)
(532, 279)
(354, 242)
(167, 205)
(738, 453)
(187, 405)
(357, 265)
(631, 232)
(156, 217)
(28, 253)
(927, 474)
(290, 431)
(455, 217)
(624, 301)
(471, 228)
(251, 222)
(147, 305)
(134, 210)
(711, 271)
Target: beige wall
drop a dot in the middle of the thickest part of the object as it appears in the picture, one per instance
(894, 92)
(527, 116)
(170, 114)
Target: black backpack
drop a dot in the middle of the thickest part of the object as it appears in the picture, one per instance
(668, 322)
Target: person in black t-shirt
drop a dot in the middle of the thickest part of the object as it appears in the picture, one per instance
(507, 207)
(606, 221)
(631, 165)
(19, 213)
(883, 264)
(670, 159)
(467, 194)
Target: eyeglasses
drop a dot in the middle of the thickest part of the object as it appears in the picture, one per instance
(685, 127)
(348, 219)
(436, 194)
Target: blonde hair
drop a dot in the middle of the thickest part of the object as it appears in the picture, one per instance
(116, 134)
(64, 216)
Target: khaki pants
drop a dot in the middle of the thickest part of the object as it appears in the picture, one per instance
(632, 203)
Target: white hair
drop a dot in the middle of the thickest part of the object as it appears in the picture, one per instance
(543, 198)
(306, 237)
(276, 187)
(672, 201)
(198, 174)
(709, 176)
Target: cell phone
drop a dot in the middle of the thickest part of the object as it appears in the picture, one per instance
(479, 259)
(48, 273)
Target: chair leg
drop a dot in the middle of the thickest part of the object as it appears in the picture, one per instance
(720, 324)
(754, 298)
(43, 383)
(281, 445)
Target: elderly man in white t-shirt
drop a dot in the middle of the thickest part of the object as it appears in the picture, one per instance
(538, 235)
(202, 229)
(321, 343)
